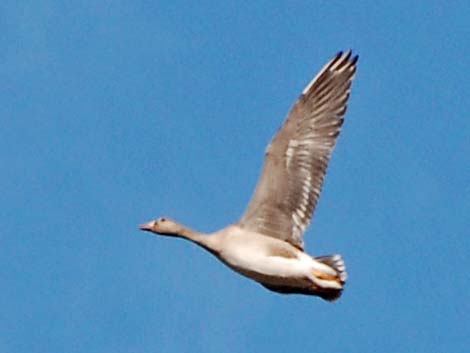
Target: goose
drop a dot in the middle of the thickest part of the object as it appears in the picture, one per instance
(266, 244)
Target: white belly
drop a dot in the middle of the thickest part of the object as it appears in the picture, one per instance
(271, 261)
(254, 261)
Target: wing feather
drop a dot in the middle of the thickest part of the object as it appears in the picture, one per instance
(297, 158)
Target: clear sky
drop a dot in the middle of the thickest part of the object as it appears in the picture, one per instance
(115, 112)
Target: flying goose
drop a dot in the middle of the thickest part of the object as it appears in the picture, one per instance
(266, 244)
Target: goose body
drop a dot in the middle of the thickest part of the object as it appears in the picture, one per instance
(266, 244)
(268, 260)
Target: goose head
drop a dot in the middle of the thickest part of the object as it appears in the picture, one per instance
(163, 226)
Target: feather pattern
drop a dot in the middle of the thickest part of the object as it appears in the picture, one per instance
(297, 157)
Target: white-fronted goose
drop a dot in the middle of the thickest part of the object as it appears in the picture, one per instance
(266, 243)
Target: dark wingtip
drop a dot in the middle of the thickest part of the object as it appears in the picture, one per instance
(348, 54)
(355, 60)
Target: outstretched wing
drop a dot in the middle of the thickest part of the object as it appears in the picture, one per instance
(296, 160)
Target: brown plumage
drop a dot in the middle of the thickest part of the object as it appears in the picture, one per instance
(266, 244)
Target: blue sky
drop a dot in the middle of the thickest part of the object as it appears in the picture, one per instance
(116, 112)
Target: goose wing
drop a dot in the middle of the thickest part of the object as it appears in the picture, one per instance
(296, 159)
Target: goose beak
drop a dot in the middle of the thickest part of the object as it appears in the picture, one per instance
(146, 226)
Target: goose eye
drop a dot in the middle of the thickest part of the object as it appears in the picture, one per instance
(162, 219)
